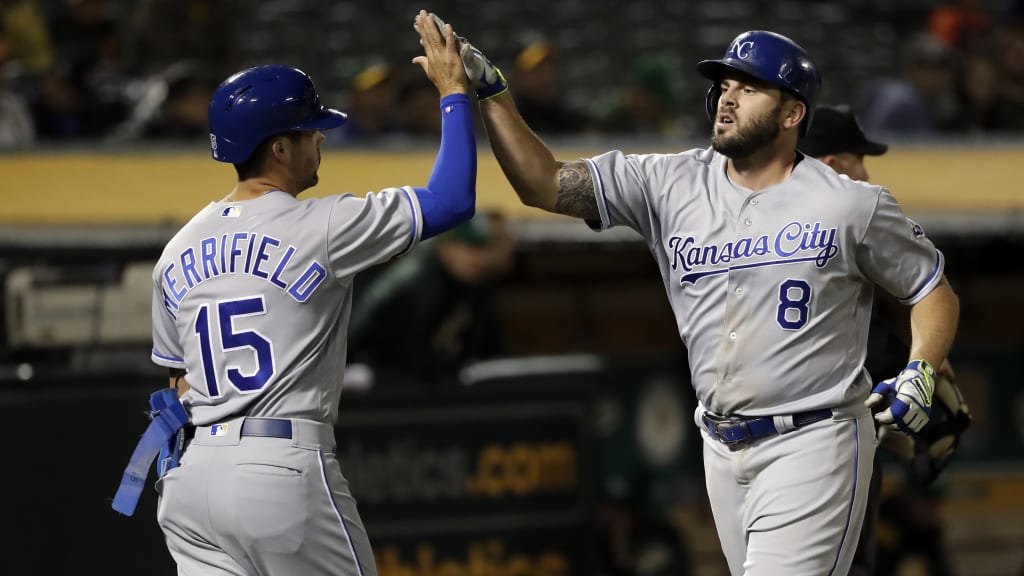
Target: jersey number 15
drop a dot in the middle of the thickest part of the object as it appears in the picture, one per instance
(222, 318)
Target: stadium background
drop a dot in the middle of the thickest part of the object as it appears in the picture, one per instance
(545, 463)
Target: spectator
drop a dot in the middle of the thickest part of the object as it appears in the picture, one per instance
(923, 101)
(539, 94)
(183, 114)
(88, 41)
(86, 34)
(16, 127)
(63, 108)
(647, 104)
(1011, 71)
(979, 90)
(959, 24)
(910, 527)
(417, 108)
(171, 105)
(164, 32)
(28, 38)
(371, 108)
(432, 311)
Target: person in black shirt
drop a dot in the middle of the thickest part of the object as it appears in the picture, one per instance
(836, 138)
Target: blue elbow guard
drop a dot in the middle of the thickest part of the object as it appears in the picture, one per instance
(170, 453)
(162, 437)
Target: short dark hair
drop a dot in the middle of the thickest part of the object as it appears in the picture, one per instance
(252, 167)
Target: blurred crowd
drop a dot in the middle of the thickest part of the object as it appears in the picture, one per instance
(962, 73)
(79, 70)
(92, 70)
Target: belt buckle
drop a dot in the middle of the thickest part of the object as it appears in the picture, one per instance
(720, 425)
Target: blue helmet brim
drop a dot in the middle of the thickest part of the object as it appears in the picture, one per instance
(714, 70)
(327, 119)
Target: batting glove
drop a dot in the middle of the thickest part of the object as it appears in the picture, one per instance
(909, 398)
(486, 78)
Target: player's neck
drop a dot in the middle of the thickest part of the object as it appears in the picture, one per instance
(762, 169)
(253, 188)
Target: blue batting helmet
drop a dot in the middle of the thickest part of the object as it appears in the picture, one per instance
(261, 102)
(770, 57)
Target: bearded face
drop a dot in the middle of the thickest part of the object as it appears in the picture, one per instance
(738, 135)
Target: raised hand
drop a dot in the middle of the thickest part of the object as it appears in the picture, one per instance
(484, 76)
(441, 60)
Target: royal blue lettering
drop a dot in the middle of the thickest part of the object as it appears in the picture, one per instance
(188, 268)
(235, 250)
(258, 257)
(794, 239)
(170, 305)
(172, 282)
(761, 248)
(209, 252)
(275, 279)
(310, 280)
(223, 263)
(248, 253)
(262, 255)
(790, 232)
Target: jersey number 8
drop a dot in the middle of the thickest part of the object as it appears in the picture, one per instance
(223, 317)
(794, 296)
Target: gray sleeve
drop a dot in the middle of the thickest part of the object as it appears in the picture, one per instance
(363, 232)
(896, 254)
(167, 349)
(622, 191)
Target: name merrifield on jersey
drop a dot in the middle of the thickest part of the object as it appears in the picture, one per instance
(792, 243)
(250, 253)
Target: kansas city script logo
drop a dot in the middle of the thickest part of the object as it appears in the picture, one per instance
(794, 242)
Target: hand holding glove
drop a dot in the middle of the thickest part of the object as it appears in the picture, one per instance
(484, 76)
(909, 397)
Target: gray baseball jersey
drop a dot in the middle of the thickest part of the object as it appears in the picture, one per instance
(771, 290)
(772, 293)
(252, 299)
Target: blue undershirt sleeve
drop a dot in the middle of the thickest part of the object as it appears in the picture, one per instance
(450, 196)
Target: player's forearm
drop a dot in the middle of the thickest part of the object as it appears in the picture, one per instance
(933, 323)
(450, 196)
(528, 164)
(177, 381)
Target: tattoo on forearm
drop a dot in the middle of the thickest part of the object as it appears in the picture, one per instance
(576, 192)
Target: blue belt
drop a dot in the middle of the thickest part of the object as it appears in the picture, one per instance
(262, 427)
(267, 427)
(737, 431)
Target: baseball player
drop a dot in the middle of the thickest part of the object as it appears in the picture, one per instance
(251, 306)
(769, 260)
(836, 139)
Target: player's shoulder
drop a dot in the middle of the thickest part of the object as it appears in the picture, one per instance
(674, 164)
(187, 232)
(844, 188)
(695, 157)
(316, 203)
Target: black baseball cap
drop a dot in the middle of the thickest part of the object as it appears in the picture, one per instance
(835, 130)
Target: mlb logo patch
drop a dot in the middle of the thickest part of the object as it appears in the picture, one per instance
(219, 430)
(233, 211)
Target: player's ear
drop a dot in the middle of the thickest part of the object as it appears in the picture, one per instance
(795, 112)
(279, 147)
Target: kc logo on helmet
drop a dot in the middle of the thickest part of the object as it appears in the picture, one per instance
(743, 49)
